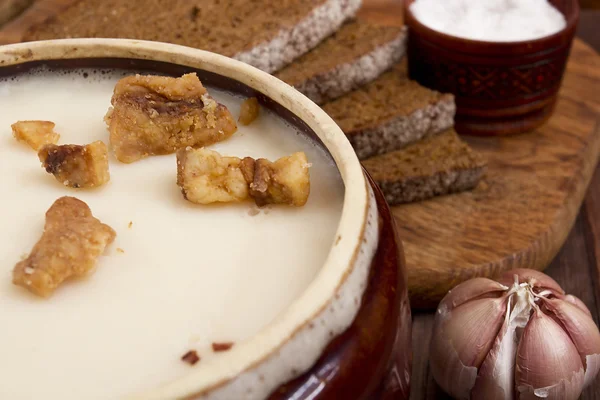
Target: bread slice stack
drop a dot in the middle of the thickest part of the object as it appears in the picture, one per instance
(437, 165)
(401, 130)
(354, 55)
(353, 68)
(264, 33)
(391, 112)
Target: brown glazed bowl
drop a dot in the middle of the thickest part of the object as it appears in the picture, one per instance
(347, 336)
(500, 88)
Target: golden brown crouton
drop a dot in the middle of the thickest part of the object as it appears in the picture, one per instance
(154, 115)
(72, 241)
(35, 133)
(249, 111)
(77, 166)
(205, 176)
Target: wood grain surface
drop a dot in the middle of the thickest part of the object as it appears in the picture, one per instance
(520, 214)
(39, 11)
(9, 9)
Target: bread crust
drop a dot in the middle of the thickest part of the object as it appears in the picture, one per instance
(435, 166)
(267, 49)
(403, 130)
(425, 187)
(290, 44)
(331, 84)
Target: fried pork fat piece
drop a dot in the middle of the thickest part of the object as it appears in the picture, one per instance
(205, 177)
(285, 181)
(154, 115)
(72, 241)
(249, 111)
(35, 133)
(77, 166)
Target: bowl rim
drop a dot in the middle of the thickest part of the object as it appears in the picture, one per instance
(528, 45)
(341, 278)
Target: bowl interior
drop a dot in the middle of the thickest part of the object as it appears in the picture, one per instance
(340, 259)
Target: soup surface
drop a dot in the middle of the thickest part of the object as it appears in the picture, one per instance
(178, 276)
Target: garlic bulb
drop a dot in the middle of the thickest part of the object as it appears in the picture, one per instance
(519, 337)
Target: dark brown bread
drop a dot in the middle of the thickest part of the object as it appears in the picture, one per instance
(434, 166)
(355, 55)
(390, 113)
(264, 33)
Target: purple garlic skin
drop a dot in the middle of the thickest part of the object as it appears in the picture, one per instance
(519, 338)
(547, 364)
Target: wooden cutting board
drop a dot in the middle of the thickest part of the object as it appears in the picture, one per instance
(521, 213)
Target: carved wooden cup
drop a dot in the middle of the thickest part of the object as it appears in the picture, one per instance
(500, 87)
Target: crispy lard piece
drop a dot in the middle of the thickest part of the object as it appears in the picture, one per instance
(285, 181)
(153, 115)
(205, 177)
(72, 241)
(249, 111)
(77, 166)
(191, 357)
(223, 346)
(35, 133)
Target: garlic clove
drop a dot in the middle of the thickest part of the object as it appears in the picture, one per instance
(576, 301)
(547, 364)
(592, 366)
(469, 290)
(460, 343)
(535, 278)
(495, 379)
(583, 332)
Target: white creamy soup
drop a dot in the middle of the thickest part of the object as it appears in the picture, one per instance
(178, 276)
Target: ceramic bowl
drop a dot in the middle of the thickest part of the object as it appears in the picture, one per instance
(500, 87)
(348, 334)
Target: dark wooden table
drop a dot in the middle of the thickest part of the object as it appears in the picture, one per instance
(576, 267)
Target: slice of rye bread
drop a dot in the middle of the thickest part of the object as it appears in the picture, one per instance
(390, 113)
(354, 55)
(437, 165)
(264, 33)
